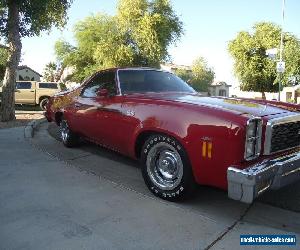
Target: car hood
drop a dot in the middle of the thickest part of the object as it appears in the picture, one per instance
(235, 105)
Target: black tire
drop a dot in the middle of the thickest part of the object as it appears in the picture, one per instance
(43, 103)
(68, 137)
(166, 168)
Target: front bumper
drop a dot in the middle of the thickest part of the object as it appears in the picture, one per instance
(245, 185)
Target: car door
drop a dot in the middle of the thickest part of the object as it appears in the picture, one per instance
(25, 93)
(84, 107)
(108, 113)
(102, 119)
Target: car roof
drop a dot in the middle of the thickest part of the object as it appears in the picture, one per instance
(131, 68)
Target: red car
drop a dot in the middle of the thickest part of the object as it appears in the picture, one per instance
(182, 138)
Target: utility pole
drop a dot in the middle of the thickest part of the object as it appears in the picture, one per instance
(281, 64)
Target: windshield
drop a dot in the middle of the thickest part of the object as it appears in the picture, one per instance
(141, 81)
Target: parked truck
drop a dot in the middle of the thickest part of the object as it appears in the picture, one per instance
(34, 93)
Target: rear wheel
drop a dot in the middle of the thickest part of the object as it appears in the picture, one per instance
(166, 168)
(43, 103)
(68, 137)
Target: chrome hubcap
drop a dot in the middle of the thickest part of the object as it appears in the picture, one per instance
(64, 131)
(164, 166)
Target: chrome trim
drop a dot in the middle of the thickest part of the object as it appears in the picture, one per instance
(269, 128)
(264, 189)
(291, 172)
(118, 83)
(257, 138)
(247, 184)
(65, 131)
(164, 166)
(143, 68)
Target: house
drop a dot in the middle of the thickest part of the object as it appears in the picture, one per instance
(290, 94)
(25, 73)
(219, 89)
(171, 67)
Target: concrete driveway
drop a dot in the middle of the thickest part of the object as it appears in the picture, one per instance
(52, 197)
(286, 198)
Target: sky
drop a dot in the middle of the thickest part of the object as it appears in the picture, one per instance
(208, 27)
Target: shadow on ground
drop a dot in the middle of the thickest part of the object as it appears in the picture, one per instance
(28, 108)
(286, 198)
(19, 107)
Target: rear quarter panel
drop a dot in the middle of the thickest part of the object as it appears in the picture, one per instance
(60, 101)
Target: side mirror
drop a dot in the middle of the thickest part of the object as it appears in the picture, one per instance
(102, 93)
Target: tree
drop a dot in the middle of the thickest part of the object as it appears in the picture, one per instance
(184, 74)
(50, 72)
(21, 18)
(253, 68)
(138, 35)
(203, 75)
(200, 77)
(3, 60)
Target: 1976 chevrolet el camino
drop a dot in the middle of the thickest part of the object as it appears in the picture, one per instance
(182, 138)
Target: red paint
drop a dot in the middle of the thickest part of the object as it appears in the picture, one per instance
(116, 122)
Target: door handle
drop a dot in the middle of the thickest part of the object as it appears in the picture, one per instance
(77, 105)
(32, 91)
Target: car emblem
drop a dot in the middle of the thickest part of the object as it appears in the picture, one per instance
(130, 113)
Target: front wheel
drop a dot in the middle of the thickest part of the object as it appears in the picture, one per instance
(166, 169)
(68, 137)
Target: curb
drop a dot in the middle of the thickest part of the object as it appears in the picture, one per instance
(31, 126)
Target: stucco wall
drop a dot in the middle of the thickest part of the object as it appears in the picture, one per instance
(214, 91)
(27, 75)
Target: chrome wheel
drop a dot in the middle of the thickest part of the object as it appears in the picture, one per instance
(68, 137)
(164, 166)
(65, 131)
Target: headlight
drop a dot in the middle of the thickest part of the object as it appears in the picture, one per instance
(253, 138)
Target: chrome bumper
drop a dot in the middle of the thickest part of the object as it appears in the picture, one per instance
(245, 185)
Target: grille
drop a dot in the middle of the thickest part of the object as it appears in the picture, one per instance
(285, 136)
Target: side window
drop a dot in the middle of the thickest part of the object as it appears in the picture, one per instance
(109, 83)
(104, 80)
(90, 90)
(48, 85)
(23, 85)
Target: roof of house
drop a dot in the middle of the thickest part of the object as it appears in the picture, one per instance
(177, 66)
(26, 67)
(220, 83)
